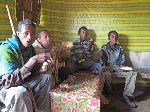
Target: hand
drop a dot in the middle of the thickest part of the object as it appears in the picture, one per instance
(41, 58)
(65, 48)
(91, 41)
(104, 66)
(37, 59)
(47, 65)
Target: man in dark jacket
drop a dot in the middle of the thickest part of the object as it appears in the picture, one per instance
(112, 57)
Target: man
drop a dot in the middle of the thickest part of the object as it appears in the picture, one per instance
(82, 54)
(44, 43)
(20, 73)
(112, 57)
(82, 59)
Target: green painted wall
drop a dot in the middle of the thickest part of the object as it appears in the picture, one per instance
(5, 27)
(130, 18)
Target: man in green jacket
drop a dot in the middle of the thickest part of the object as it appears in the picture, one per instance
(22, 86)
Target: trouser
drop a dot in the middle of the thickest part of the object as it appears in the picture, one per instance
(63, 73)
(103, 99)
(18, 99)
(130, 79)
(94, 67)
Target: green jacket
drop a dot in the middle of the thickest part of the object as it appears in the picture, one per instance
(11, 56)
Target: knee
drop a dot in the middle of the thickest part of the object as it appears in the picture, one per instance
(99, 68)
(19, 92)
(48, 80)
(46, 77)
(71, 67)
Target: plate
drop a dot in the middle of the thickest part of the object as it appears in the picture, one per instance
(126, 68)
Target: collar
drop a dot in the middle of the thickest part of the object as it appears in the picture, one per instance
(38, 44)
(113, 45)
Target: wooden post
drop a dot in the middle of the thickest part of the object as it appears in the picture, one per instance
(56, 70)
(23, 14)
(10, 20)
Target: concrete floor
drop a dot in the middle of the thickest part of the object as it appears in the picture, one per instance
(117, 103)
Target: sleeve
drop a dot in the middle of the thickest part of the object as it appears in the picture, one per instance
(121, 58)
(60, 55)
(8, 61)
(91, 46)
(15, 78)
(103, 56)
(11, 74)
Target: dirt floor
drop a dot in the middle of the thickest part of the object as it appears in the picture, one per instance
(117, 103)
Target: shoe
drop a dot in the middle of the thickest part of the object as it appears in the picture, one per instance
(130, 103)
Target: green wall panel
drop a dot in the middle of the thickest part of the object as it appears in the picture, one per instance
(5, 27)
(130, 18)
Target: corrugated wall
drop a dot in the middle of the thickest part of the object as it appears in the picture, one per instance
(5, 28)
(54, 20)
(131, 18)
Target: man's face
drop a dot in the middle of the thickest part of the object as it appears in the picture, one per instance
(26, 35)
(113, 38)
(45, 40)
(82, 34)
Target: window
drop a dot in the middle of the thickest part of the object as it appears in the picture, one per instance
(28, 9)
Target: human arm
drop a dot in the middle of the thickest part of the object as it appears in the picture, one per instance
(121, 58)
(12, 74)
(103, 58)
(91, 43)
(14, 78)
(60, 53)
(36, 63)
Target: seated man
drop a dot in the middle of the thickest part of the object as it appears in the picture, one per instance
(82, 59)
(44, 44)
(22, 86)
(82, 54)
(112, 57)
